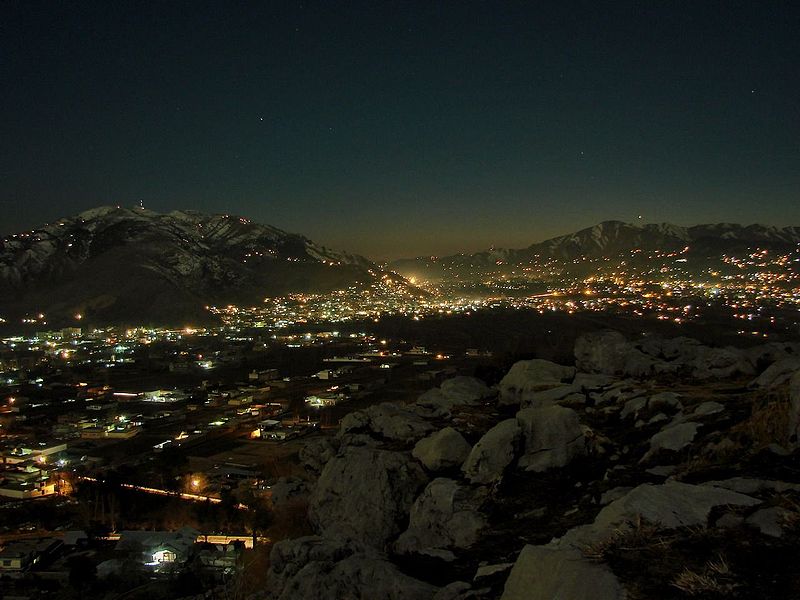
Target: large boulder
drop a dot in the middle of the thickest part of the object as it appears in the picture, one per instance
(674, 438)
(457, 391)
(316, 453)
(553, 437)
(604, 352)
(680, 349)
(794, 409)
(752, 485)
(316, 568)
(639, 365)
(672, 505)
(387, 420)
(638, 405)
(770, 521)
(445, 516)
(365, 494)
(633, 407)
(608, 352)
(444, 449)
(493, 453)
(777, 373)
(663, 400)
(436, 403)
(465, 390)
(286, 490)
(764, 355)
(529, 376)
(721, 363)
(709, 407)
(548, 573)
(288, 557)
(592, 382)
(550, 396)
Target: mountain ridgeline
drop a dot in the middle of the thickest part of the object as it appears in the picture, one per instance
(614, 240)
(130, 266)
(136, 266)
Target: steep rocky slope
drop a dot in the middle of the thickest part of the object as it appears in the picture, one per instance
(653, 468)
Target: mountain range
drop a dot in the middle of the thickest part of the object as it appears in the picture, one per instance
(611, 240)
(136, 266)
(132, 265)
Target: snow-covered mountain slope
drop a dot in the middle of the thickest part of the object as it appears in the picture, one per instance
(131, 264)
(612, 239)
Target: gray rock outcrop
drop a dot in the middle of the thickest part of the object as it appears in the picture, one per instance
(794, 409)
(315, 568)
(444, 449)
(457, 391)
(768, 521)
(287, 489)
(548, 397)
(465, 390)
(674, 438)
(609, 353)
(489, 458)
(553, 437)
(316, 453)
(365, 494)
(529, 376)
(388, 420)
(777, 373)
(604, 352)
(444, 517)
(672, 504)
(548, 573)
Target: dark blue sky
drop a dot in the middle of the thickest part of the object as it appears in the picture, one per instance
(398, 129)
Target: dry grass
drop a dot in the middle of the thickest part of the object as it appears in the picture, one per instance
(629, 537)
(790, 520)
(768, 422)
(716, 579)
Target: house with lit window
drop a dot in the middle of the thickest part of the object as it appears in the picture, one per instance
(20, 555)
(23, 480)
(159, 550)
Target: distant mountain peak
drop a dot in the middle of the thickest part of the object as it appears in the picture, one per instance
(129, 263)
(610, 239)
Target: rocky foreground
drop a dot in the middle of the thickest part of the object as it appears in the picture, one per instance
(650, 469)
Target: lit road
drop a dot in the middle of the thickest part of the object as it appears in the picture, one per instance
(160, 492)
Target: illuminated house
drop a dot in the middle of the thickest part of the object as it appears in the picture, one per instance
(160, 549)
(26, 480)
(42, 451)
(19, 555)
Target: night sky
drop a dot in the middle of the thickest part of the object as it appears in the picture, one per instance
(400, 129)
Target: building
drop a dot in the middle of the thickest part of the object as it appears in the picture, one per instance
(26, 480)
(159, 549)
(21, 555)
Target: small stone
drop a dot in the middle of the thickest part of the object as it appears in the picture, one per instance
(768, 521)
(708, 408)
(489, 570)
(729, 521)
